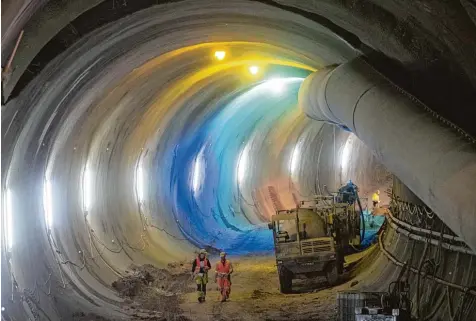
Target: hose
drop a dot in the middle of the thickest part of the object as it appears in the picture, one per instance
(418, 280)
(422, 230)
(361, 216)
(414, 270)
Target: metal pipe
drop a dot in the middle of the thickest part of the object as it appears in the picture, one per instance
(422, 230)
(10, 60)
(447, 246)
(436, 163)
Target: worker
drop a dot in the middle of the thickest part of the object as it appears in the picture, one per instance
(376, 198)
(223, 271)
(200, 267)
(348, 193)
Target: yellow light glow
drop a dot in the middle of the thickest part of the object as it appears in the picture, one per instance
(174, 95)
(254, 70)
(220, 55)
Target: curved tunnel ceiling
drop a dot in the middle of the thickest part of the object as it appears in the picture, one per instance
(138, 145)
(121, 100)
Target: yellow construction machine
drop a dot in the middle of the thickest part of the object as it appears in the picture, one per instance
(310, 240)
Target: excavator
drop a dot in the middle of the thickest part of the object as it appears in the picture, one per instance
(312, 239)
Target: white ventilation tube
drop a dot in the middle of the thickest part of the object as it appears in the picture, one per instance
(436, 163)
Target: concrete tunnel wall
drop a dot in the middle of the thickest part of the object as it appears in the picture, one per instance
(128, 92)
(92, 114)
(430, 300)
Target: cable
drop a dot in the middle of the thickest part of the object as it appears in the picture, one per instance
(439, 243)
(436, 307)
(414, 270)
(418, 280)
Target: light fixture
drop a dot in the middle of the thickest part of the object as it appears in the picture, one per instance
(140, 183)
(276, 85)
(243, 163)
(254, 70)
(198, 172)
(295, 157)
(88, 188)
(346, 152)
(8, 218)
(48, 203)
(220, 54)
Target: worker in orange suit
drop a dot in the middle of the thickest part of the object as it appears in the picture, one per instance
(223, 271)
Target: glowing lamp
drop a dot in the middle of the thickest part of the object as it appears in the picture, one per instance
(220, 55)
(254, 70)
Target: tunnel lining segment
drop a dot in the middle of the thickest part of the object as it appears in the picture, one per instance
(64, 116)
(438, 280)
(71, 249)
(49, 29)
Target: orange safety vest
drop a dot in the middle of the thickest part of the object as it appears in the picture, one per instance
(223, 268)
(205, 264)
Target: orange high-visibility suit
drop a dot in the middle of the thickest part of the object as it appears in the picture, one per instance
(223, 270)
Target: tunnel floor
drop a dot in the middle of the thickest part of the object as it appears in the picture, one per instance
(255, 296)
(169, 294)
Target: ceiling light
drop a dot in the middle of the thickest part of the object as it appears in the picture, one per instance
(220, 55)
(254, 70)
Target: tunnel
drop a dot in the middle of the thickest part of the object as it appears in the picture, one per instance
(138, 132)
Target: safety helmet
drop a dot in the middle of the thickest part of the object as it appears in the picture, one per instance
(378, 191)
(222, 254)
(202, 251)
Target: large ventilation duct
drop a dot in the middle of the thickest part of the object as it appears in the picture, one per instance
(437, 163)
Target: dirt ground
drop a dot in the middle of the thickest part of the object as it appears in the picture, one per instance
(255, 296)
(150, 293)
(169, 294)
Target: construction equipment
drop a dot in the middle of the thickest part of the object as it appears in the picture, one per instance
(310, 239)
(375, 306)
(394, 305)
(349, 193)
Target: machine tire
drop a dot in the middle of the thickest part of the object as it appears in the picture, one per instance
(285, 280)
(332, 274)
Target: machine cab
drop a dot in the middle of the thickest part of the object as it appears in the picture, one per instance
(299, 232)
